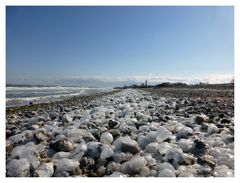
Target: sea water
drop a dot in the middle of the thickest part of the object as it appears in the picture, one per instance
(20, 96)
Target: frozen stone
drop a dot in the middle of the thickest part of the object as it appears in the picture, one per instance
(134, 166)
(199, 148)
(174, 157)
(41, 135)
(185, 144)
(63, 145)
(151, 162)
(185, 132)
(61, 155)
(121, 157)
(143, 141)
(185, 172)
(152, 148)
(166, 173)
(144, 128)
(66, 118)
(18, 168)
(201, 118)
(106, 138)
(118, 174)
(223, 171)
(107, 151)
(151, 136)
(44, 170)
(165, 165)
(212, 129)
(21, 138)
(28, 152)
(66, 167)
(126, 144)
(162, 134)
(94, 149)
(164, 147)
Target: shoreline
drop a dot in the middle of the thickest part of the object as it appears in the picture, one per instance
(50, 105)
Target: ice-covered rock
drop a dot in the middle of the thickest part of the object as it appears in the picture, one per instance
(94, 149)
(66, 167)
(106, 152)
(22, 138)
(162, 134)
(134, 166)
(166, 173)
(174, 157)
(66, 118)
(126, 144)
(185, 144)
(223, 171)
(152, 148)
(201, 118)
(106, 138)
(44, 170)
(18, 168)
(185, 132)
(212, 129)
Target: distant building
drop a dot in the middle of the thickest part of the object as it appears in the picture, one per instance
(146, 83)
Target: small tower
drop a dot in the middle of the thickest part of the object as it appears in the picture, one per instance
(146, 83)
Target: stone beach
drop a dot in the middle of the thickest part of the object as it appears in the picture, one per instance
(127, 133)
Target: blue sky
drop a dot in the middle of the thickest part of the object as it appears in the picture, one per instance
(49, 44)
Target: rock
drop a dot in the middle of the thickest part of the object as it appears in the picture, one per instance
(44, 170)
(206, 161)
(87, 163)
(134, 166)
(225, 121)
(174, 157)
(162, 134)
(199, 148)
(41, 135)
(120, 157)
(166, 165)
(185, 132)
(101, 171)
(201, 118)
(61, 155)
(66, 118)
(143, 141)
(63, 145)
(21, 138)
(126, 144)
(113, 124)
(166, 173)
(185, 144)
(34, 127)
(106, 138)
(53, 115)
(9, 146)
(185, 171)
(118, 174)
(107, 151)
(28, 152)
(66, 167)
(18, 168)
(223, 171)
(212, 129)
(152, 148)
(94, 149)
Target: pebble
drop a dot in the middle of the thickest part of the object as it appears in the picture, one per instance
(18, 168)
(125, 144)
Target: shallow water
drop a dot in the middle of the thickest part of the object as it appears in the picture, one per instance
(20, 96)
